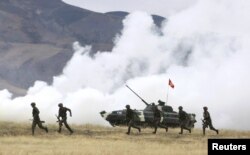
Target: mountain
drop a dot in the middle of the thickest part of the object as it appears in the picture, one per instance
(121, 14)
(36, 38)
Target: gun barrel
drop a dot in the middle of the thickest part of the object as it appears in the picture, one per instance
(137, 95)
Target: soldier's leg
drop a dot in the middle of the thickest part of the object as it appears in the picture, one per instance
(187, 126)
(181, 130)
(204, 126)
(134, 126)
(33, 127)
(42, 127)
(181, 126)
(156, 122)
(60, 126)
(155, 129)
(204, 131)
(211, 127)
(184, 126)
(163, 126)
(129, 127)
(67, 126)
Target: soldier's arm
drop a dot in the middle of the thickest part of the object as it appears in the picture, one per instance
(69, 112)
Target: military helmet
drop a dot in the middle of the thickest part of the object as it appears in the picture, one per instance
(205, 108)
(127, 106)
(161, 102)
(180, 107)
(60, 104)
(33, 104)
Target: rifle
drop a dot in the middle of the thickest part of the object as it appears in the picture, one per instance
(137, 95)
(40, 121)
(204, 123)
(59, 120)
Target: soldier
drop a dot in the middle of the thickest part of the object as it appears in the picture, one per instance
(130, 117)
(36, 119)
(161, 103)
(207, 121)
(157, 118)
(63, 114)
(183, 118)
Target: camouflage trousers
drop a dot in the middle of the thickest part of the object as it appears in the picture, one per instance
(131, 123)
(64, 121)
(157, 123)
(37, 121)
(209, 124)
(184, 125)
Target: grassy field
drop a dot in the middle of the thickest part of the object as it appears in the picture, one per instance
(16, 139)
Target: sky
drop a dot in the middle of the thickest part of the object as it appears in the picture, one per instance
(203, 49)
(159, 7)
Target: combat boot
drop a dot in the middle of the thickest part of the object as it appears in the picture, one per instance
(129, 128)
(155, 130)
(59, 131)
(181, 131)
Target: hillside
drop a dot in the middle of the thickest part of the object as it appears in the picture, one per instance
(89, 139)
(36, 38)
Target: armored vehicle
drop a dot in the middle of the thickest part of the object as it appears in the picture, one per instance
(145, 117)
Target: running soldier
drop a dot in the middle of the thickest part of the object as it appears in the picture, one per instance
(207, 121)
(130, 118)
(36, 119)
(63, 115)
(184, 120)
(157, 118)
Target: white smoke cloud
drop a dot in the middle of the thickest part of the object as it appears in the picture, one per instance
(204, 50)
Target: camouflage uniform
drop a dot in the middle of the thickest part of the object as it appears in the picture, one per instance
(184, 120)
(36, 119)
(130, 117)
(63, 114)
(157, 119)
(207, 122)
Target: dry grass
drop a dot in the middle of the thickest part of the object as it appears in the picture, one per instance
(16, 139)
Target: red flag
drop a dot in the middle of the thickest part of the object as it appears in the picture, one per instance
(170, 83)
